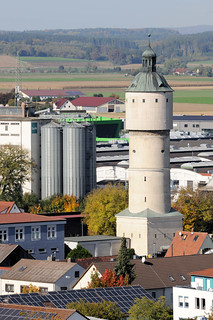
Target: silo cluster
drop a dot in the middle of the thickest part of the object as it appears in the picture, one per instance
(68, 159)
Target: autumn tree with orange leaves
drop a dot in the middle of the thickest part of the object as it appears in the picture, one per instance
(108, 279)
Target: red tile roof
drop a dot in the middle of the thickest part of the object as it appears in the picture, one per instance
(91, 101)
(203, 273)
(6, 205)
(60, 102)
(186, 243)
(26, 217)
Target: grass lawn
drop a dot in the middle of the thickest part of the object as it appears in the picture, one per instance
(50, 59)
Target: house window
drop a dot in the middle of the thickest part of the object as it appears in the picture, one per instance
(19, 234)
(186, 302)
(77, 274)
(190, 184)
(156, 100)
(36, 233)
(180, 301)
(51, 232)
(167, 100)
(197, 125)
(6, 128)
(30, 251)
(63, 288)
(185, 125)
(43, 289)
(203, 303)
(9, 287)
(42, 250)
(154, 294)
(197, 303)
(3, 235)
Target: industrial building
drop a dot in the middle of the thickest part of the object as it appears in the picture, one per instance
(64, 154)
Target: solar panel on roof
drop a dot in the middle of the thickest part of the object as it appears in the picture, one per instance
(14, 314)
(124, 296)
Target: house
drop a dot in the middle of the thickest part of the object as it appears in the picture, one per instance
(98, 104)
(22, 312)
(45, 94)
(8, 207)
(188, 243)
(156, 275)
(196, 300)
(44, 274)
(10, 254)
(63, 104)
(40, 236)
(98, 246)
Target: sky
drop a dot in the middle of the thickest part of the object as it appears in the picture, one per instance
(68, 14)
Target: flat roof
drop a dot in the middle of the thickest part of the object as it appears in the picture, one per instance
(91, 238)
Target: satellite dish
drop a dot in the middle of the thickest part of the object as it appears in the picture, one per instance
(143, 259)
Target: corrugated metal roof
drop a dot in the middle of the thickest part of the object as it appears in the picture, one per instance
(38, 270)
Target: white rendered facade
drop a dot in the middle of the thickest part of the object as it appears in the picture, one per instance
(25, 133)
(149, 221)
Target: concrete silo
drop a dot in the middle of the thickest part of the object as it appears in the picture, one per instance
(74, 160)
(51, 160)
(90, 153)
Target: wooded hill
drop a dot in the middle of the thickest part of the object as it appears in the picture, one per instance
(120, 46)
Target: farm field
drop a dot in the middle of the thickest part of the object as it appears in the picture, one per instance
(192, 95)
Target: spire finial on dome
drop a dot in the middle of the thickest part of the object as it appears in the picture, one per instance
(149, 36)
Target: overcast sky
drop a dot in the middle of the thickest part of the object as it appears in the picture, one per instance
(69, 14)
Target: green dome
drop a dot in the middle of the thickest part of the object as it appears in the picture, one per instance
(149, 53)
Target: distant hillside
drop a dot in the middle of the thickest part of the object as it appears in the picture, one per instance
(193, 29)
(119, 46)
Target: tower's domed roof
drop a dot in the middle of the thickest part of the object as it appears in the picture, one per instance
(149, 53)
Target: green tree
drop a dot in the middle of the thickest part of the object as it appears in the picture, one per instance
(29, 200)
(104, 310)
(150, 309)
(78, 253)
(197, 208)
(124, 266)
(16, 167)
(101, 206)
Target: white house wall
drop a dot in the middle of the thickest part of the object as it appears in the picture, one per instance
(86, 278)
(17, 285)
(191, 311)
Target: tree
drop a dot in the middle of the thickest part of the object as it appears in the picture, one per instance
(150, 309)
(197, 208)
(104, 310)
(108, 279)
(79, 252)
(16, 167)
(31, 288)
(101, 206)
(123, 266)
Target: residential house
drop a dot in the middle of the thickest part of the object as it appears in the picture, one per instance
(21, 312)
(63, 104)
(44, 274)
(10, 254)
(9, 207)
(40, 236)
(98, 104)
(196, 300)
(188, 243)
(156, 275)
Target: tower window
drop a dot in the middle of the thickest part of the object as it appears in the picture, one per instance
(156, 100)
(167, 100)
(143, 100)
(134, 151)
(162, 151)
(133, 100)
(131, 235)
(144, 178)
(139, 235)
(144, 199)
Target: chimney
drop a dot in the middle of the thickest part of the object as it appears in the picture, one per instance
(23, 106)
